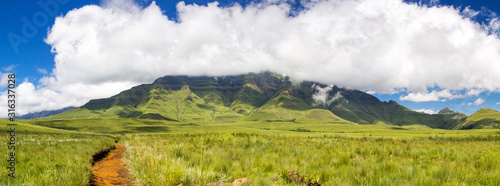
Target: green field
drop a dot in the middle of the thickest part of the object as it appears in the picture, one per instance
(267, 152)
(46, 156)
(329, 160)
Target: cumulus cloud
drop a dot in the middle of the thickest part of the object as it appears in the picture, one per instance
(479, 101)
(498, 103)
(442, 95)
(427, 111)
(380, 45)
(435, 95)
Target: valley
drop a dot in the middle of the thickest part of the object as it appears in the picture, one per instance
(261, 129)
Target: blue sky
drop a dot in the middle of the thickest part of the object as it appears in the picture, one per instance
(33, 62)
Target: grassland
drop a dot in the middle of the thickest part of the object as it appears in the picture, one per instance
(268, 152)
(144, 126)
(47, 156)
(197, 159)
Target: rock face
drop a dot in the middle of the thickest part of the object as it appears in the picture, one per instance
(263, 96)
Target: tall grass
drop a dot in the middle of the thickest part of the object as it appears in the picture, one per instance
(196, 159)
(52, 159)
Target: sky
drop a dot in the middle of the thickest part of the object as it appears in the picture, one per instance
(426, 55)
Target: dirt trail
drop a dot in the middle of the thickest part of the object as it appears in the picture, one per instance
(110, 170)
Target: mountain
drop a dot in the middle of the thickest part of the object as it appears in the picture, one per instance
(253, 97)
(44, 113)
(445, 111)
(482, 119)
(452, 118)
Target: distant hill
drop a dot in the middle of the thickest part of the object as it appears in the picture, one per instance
(44, 113)
(445, 111)
(255, 96)
(483, 119)
(452, 118)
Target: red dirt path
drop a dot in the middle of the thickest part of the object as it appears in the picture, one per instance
(110, 170)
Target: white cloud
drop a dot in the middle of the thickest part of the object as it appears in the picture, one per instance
(31, 99)
(498, 103)
(467, 12)
(494, 26)
(3, 80)
(479, 101)
(370, 92)
(41, 71)
(434, 2)
(474, 92)
(9, 68)
(378, 45)
(427, 111)
(321, 96)
(442, 95)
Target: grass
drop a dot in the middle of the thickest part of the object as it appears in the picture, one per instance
(484, 118)
(46, 156)
(118, 126)
(268, 152)
(171, 159)
(106, 126)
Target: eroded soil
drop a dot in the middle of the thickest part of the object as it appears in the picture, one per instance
(110, 170)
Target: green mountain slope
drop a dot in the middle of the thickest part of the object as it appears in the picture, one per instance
(183, 98)
(482, 119)
(255, 96)
(359, 107)
(452, 118)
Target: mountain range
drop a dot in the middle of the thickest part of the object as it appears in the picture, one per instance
(265, 96)
(44, 113)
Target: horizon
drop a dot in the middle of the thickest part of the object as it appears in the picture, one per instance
(105, 47)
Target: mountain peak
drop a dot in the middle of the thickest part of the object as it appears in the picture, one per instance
(445, 110)
(486, 110)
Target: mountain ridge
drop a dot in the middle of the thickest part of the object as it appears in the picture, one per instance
(44, 113)
(484, 118)
(264, 96)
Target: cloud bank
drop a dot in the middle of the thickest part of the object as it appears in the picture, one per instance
(427, 111)
(386, 46)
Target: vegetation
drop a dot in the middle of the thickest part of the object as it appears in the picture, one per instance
(197, 159)
(162, 152)
(199, 130)
(484, 118)
(46, 156)
(241, 97)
